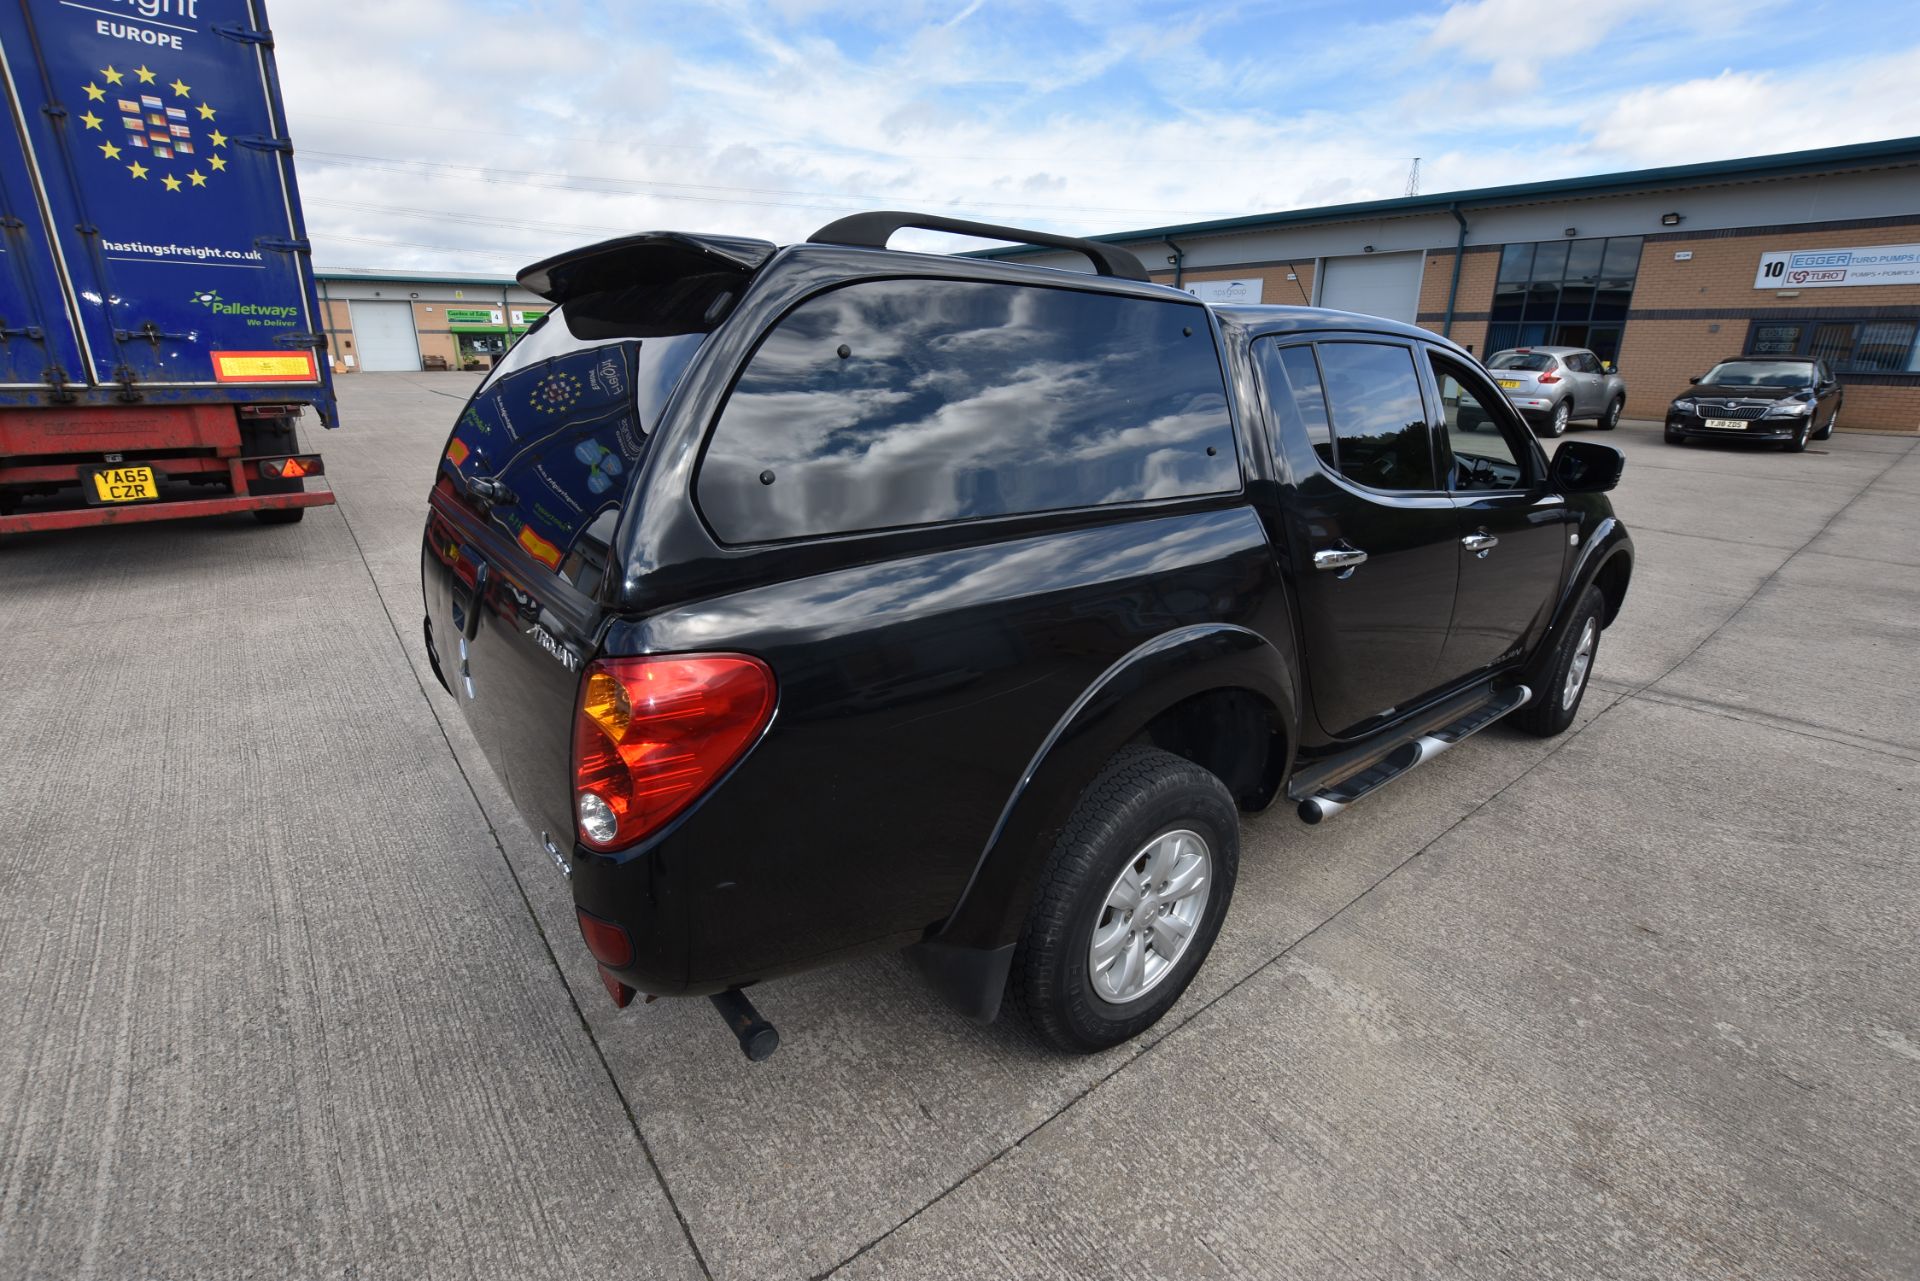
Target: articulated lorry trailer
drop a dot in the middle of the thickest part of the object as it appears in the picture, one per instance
(159, 331)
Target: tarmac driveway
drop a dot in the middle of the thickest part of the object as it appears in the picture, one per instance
(286, 988)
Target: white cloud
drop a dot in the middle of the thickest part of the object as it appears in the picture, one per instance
(563, 122)
(1517, 39)
(1739, 113)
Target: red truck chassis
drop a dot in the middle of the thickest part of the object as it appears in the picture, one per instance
(65, 446)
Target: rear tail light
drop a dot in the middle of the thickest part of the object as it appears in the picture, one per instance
(1548, 377)
(652, 734)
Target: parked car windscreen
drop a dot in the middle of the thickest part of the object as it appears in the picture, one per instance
(1759, 373)
(1535, 361)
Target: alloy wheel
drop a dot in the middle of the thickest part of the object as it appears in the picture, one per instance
(1150, 916)
(1582, 663)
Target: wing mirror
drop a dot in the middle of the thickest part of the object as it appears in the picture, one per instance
(1606, 366)
(1582, 467)
(1695, 380)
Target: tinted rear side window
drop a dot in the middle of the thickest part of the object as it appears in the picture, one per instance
(910, 402)
(1379, 419)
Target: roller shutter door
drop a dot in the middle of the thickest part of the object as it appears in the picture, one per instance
(383, 336)
(1372, 284)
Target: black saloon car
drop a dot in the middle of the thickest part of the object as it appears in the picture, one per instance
(817, 600)
(1789, 399)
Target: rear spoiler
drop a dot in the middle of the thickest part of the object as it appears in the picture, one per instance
(650, 259)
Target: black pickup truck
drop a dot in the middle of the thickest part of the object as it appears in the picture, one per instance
(825, 599)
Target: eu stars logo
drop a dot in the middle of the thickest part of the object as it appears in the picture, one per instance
(150, 131)
(556, 393)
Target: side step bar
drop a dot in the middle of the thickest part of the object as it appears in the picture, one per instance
(1328, 801)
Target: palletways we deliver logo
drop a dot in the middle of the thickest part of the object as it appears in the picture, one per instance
(154, 129)
(262, 314)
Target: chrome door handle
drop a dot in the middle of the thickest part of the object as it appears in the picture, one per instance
(1481, 543)
(1341, 558)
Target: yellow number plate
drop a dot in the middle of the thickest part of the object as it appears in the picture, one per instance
(1510, 384)
(125, 484)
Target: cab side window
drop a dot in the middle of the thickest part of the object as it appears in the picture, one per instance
(1485, 455)
(1380, 434)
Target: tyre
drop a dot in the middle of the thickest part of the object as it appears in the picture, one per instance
(1564, 684)
(1833, 420)
(1129, 903)
(1798, 444)
(1557, 423)
(267, 438)
(1611, 419)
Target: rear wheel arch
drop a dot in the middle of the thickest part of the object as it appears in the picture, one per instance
(1237, 734)
(1164, 693)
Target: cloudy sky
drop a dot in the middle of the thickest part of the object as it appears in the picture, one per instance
(479, 135)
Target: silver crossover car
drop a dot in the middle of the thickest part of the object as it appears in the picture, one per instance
(1552, 386)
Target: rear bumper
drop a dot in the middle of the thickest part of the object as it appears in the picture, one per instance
(1533, 408)
(137, 513)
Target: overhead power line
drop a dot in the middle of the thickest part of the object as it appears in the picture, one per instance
(484, 220)
(1090, 159)
(413, 244)
(714, 193)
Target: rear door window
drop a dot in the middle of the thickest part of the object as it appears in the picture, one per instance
(893, 403)
(1381, 437)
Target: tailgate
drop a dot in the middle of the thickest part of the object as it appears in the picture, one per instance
(167, 181)
(532, 484)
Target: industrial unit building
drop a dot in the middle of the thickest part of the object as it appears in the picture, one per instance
(1663, 271)
(427, 320)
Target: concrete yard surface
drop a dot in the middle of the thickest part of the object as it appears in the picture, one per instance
(287, 989)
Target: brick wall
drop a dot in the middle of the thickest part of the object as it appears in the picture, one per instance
(1688, 314)
(430, 326)
(1274, 286)
(338, 323)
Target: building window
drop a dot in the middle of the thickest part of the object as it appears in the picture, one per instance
(1850, 346)
(1572, 293)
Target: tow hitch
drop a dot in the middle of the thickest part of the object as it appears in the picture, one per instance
(757, 1037)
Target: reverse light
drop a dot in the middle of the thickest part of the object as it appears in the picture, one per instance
(653, 733)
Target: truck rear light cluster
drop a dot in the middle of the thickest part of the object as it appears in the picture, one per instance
(652, 734)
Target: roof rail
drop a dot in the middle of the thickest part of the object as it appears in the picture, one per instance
(873, 230)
